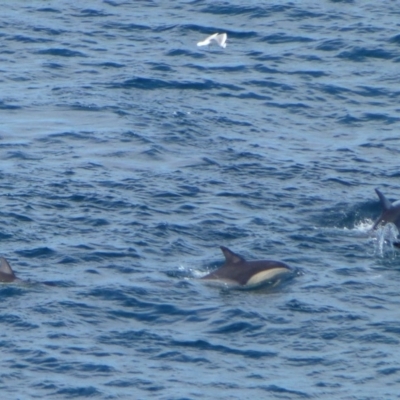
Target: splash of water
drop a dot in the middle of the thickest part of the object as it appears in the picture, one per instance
(220, 38)
(363, 227)
(383, 239)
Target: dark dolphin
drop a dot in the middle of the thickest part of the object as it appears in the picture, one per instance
(390, 212)
(6, 273)
(237, 270)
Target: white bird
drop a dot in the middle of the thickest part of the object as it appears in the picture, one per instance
(220, 38)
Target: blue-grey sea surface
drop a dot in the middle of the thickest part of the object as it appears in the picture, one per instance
(129, 155)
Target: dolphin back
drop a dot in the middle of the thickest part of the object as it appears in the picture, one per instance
(6, 273)
(386, 204)
(390, 212)
(237, 270)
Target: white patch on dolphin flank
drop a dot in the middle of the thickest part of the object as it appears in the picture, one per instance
(267, 275)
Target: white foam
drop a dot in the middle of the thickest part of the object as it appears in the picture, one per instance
(364, 226)
(197, 273)
(220, 38)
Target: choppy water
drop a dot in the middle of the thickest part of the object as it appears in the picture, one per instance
(129, 155)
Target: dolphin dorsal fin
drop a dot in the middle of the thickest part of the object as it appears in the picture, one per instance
(386, 204)
(231, 257)
(5, 267)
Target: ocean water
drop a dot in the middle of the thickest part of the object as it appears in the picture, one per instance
(129, 155)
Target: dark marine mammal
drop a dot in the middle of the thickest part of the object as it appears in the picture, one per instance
(237, 270)
(390, 212)
(6, 272)
(7, 275)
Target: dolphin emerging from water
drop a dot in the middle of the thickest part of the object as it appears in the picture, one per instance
(390, 212)
(6, 273)
(237, 270)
